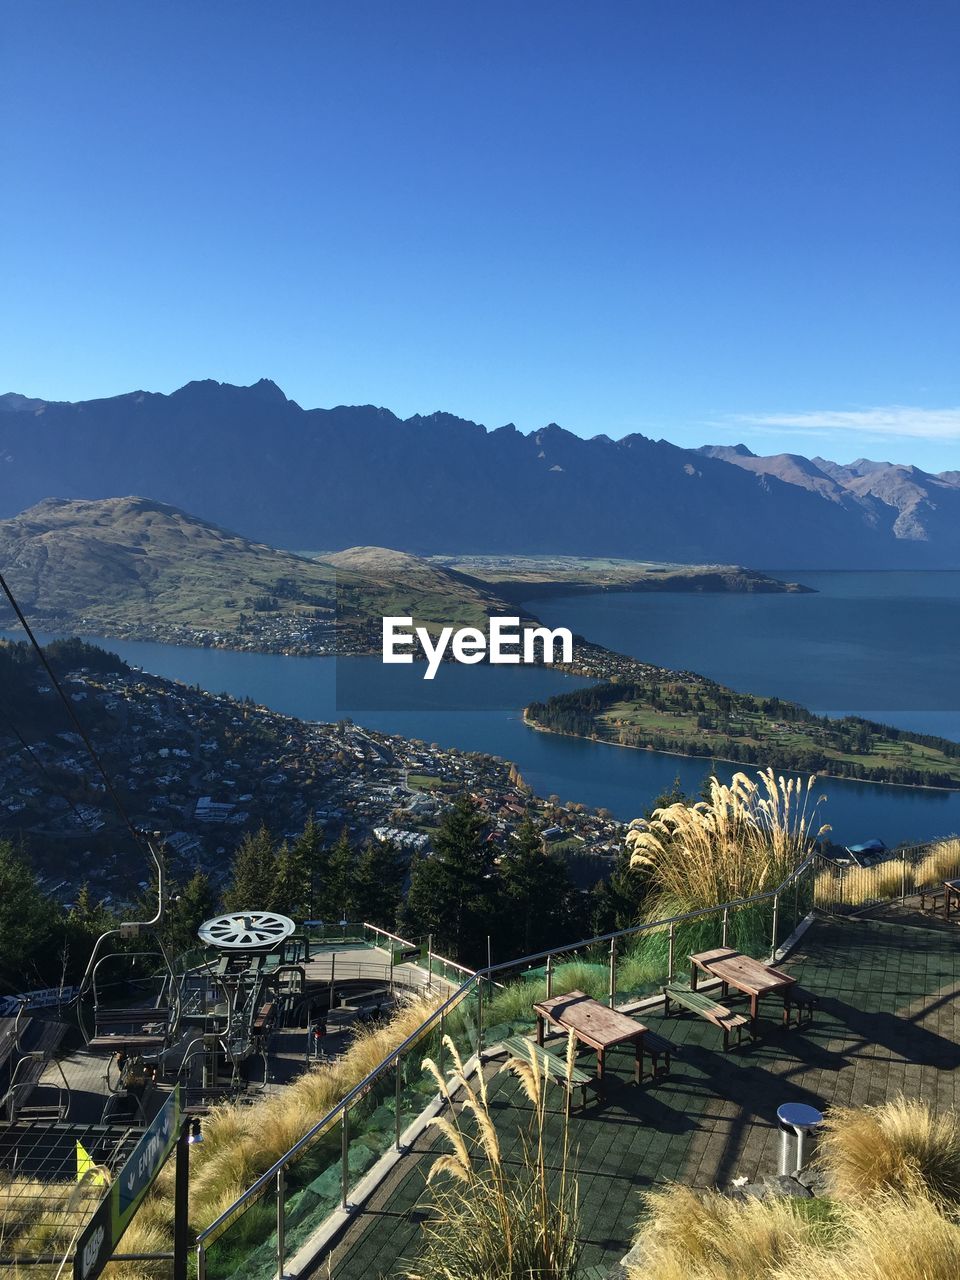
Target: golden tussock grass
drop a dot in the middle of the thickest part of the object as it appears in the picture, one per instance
(241, 1142)
(894, 1173)
(901, 1146)
(887, 880)
(498, 1221)
(941, 863)
(689, 1235)
(746, 839)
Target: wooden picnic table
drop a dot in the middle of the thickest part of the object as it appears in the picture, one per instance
(951, 891)
(743, 973)
(594, 1024)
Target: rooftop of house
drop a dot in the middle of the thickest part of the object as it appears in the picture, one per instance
(887, 1023)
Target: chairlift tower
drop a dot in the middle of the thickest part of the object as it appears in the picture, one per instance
(243, 992)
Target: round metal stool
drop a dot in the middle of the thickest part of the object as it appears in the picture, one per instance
(798, 1120)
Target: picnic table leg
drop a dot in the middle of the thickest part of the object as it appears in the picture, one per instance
(693, 976)
(638, 1066)
(754, 1013)
(540, 1030)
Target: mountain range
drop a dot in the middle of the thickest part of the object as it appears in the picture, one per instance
(248, 458)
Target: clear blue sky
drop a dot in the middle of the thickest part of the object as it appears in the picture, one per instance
(708, 221)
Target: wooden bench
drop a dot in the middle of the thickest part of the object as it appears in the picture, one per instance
(936, 895)
(551, 1065)
(803, 1001)
(702, 1005)
(659, 1047)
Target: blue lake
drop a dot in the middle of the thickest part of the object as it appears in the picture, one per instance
(877, 644)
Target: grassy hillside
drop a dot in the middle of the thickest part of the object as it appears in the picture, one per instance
(693, 716)
(135, 568)
(373, 582)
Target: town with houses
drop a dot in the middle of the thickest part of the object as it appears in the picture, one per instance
(204, 769)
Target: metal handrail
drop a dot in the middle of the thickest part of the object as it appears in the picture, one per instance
(269, 1178)
(357, 1092)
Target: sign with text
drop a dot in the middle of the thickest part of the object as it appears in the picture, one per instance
(128, 1188)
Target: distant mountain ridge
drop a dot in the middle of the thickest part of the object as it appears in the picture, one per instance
(248, 458)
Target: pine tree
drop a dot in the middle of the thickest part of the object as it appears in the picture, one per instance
(253, 874)
(380, 873)
(311, 857)
(453, 894)
(538, 896)
(341, 894)
(186, 911)
(31, 927)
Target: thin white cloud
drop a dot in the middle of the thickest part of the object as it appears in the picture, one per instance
(897, 420)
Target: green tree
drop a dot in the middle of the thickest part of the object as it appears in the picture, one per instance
(253, 874)
(186, 911)
(453, 894)
(380, 872)
(311, 856)
(539, 901)
(31, 926)
(341, 890)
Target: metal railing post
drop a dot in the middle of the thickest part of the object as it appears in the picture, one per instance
(903, 880)
(672, 937)
(480, 1021)
(429, 959)
(725, 928)
(281, 1242)
(201, 1260)
(613, 972)
(345, 1158)
(839, 902)
(442, 1048)
(549, 976)
(776, 921)
(397, 1105)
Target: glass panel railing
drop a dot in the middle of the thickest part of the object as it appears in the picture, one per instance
(313, 1188)
(750, 929)
(371, 1126)
(642, 961)
(461, 1025)
(248, 1244)
(417, 1087)
(508, 1003)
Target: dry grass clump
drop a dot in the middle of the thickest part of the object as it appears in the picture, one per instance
(900, 1146)
(895, 1187)
(887, 1238)
(499, 1222)
(707, 1236)
(941, 863)
(744, 840)
(860, 885)
(39, 1218)
(688, 1237)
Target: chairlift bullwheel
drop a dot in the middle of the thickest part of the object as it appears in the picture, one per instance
(246, 930)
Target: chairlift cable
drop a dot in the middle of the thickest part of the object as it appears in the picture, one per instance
(111, 790)
(41, 767)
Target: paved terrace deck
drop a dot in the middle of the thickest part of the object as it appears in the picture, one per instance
(887, 1023)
